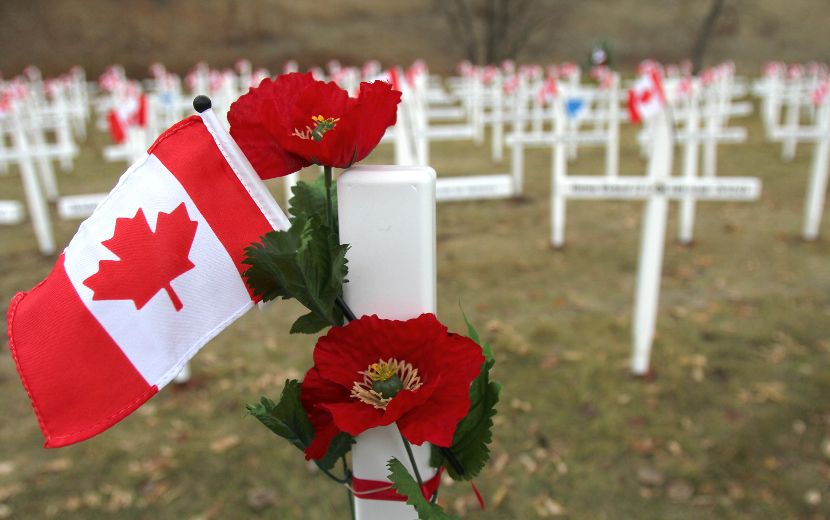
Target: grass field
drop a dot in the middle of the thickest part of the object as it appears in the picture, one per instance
(735, 423)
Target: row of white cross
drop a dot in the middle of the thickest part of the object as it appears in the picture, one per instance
(544, 114)
(520, 108)
(40, 122)
(795, 103)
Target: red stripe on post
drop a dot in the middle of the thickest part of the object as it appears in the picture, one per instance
(188, 150)
(383, 490)
(78, 379)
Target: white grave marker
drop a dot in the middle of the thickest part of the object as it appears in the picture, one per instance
(816, 191)
(657, 187)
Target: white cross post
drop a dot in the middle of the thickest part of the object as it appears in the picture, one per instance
(387, 216)
(711, 133)
(814, 204)
(35, 200)
(820, 134)
(793, 110)
(652, 242)
(658, 186)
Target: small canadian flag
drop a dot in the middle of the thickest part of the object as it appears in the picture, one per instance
(646, 97)
(131, 112)
(148, 279)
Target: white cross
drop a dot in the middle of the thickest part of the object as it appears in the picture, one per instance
(819, 134)
(657, 187)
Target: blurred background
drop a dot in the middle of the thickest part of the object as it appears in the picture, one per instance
(734, 419)
(98, 33)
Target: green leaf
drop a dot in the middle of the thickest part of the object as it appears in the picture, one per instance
(473, 335)
(306, 263)
(309, 199)
(288, 420)
(406, 485)
(340, 446)
(475, 431)
(308, 324)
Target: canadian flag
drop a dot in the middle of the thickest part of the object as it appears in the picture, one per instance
(131, 112)
(148, 279)
(646, 97)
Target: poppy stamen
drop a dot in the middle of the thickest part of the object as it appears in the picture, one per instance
(383, 380)
(321, 126)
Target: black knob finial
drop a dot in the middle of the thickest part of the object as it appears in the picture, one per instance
(201, 103)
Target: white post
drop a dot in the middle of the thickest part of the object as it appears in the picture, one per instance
(560, 166)
(690, 159)
(517, 165)
(38, 211)
(710, 145)
(183, 376)
(63, 132)
(497, 115)
(33, 123)
(772, 103)
(477, 107)
(387, 215)
(814, 204)
(791, 118)
(420, 121)
(612, 147)
(651, 248)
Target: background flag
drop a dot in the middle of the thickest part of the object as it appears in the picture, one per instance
(646, 97)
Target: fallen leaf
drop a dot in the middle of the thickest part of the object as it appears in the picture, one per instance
(518, 404)
(528, 463)
(680, 491)
(499, 462)
(650, 477)
(812, 497)
(7, 492)
(261, 498)
(58, 465)
(825, 447)
(223, 444)
(498, 496)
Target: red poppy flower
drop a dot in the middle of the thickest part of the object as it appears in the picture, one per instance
(294, 121)
(375, 372)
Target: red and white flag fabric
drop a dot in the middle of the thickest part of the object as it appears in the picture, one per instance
(130, 112)
(148, 279)
(646, 97)
(820, 92)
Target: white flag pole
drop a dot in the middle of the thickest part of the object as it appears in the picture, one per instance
(651, 247)
(387, 216)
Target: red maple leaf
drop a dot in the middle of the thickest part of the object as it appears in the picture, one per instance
(147, 261)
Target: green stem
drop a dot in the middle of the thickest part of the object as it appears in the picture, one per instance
(349, 496)
(411, 455)
(329, 209)
(329, 474)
